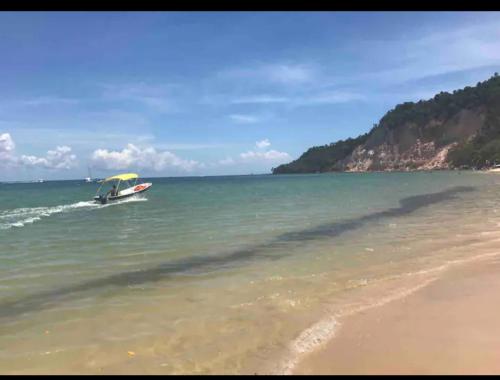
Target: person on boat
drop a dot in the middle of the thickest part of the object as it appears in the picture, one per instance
(112, 192)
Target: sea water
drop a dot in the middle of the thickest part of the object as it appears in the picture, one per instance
(236, 274)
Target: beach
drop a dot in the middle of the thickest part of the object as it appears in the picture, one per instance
(448, 327)
(246, 274)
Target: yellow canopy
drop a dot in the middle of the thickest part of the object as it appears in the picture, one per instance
(122, 177)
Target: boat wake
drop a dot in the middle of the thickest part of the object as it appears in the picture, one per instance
(21, 217)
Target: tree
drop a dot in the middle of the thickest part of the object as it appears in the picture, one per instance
(433, 120)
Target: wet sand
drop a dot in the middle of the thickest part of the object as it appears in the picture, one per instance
(451, 326)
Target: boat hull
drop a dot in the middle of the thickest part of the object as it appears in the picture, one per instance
(127, 193)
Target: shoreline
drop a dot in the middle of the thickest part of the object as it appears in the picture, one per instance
(457, 170)
(447, 326)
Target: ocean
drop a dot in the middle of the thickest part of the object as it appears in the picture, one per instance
(229, 275)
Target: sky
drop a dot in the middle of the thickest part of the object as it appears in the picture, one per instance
(216, 93)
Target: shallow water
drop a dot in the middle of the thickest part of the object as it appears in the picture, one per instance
(238, 274)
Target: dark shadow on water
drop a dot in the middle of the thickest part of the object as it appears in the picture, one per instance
(199, 264)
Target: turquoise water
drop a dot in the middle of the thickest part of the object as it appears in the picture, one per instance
(214, 274)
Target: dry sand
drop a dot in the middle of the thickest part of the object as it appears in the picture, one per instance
(452, 326)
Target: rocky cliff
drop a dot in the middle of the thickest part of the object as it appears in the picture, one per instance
(450, 130)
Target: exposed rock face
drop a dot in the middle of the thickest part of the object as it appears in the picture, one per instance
(421, 156)
(439, 160)
(410, 147)
(451, 130)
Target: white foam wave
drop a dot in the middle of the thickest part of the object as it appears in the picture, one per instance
(308, 341)
(324, 330)
(20, 217)
(126, 200)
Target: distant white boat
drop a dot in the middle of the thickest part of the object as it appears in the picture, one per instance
(89, 178)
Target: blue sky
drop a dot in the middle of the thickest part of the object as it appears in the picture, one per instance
(209, 93)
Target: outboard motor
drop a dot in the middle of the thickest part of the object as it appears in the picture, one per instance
(103, 200)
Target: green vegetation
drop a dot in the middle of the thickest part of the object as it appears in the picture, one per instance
(483, 149)
(321, 158)
(437, 120)
(473, 155)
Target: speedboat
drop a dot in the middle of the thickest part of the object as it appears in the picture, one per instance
(129, 190)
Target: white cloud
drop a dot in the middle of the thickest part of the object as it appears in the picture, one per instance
(434, 53)
(195, 146)
(7, 147)
(270, 155)
(289, 74)
(263, 144)
(226, 161)
(299, 99)
(459, 49)
(279, 73)
(6, 143)
(60, 158)
(135, 157)
(281, 83)
(430, 51)
(30, 161)
(243, 119)
(329, 98)
(260, 155)
(264, 99)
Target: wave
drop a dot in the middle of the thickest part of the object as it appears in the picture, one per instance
(21, 217)
(324, 330)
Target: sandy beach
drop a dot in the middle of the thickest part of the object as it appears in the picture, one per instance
(235, 287)
(450, 326)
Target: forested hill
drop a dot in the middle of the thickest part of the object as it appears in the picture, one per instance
(459, 129)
